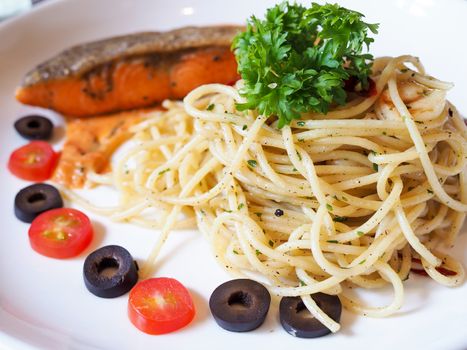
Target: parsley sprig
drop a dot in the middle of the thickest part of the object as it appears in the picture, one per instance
(297, 59)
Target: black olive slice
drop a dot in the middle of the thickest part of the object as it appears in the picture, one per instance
(240, 305)
(34, 127)
(110, 271)
(297, 320)
(36, 199)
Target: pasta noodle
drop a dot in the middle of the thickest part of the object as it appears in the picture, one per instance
(330, 202)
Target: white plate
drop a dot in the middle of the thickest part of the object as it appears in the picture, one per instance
(43, 302)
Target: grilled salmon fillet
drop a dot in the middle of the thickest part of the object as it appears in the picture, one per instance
(131, 71)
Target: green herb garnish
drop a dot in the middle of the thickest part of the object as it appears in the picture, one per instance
(163, 171)
(340, 218)
(253, 163)
(210, 107)
(298, 59)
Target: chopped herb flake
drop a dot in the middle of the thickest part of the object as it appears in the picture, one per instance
(252, 163)
(360, 233)
(164, 171)
(329, 207)
(332, 241)
(210, 107)
(340, 218)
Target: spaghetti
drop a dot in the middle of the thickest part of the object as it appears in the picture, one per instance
(332, 201)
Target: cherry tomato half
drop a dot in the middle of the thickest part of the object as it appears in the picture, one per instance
(34, 161)
(160, 305)
(60, 233)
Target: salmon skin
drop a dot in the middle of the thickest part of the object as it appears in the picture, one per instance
(131, 71)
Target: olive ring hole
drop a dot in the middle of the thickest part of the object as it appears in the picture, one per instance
(301, 310)
(108, 267)
(37, 197)
(33, 124)
(240, 300)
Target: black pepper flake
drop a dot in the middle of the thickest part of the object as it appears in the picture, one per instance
(450, 112)
(216, 58)
(279, 212)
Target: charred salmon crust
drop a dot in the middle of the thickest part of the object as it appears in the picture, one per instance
(131, 71)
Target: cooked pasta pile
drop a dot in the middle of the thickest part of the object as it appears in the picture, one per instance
(351, 198)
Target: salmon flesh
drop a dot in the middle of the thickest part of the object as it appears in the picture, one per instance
(131, 71)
